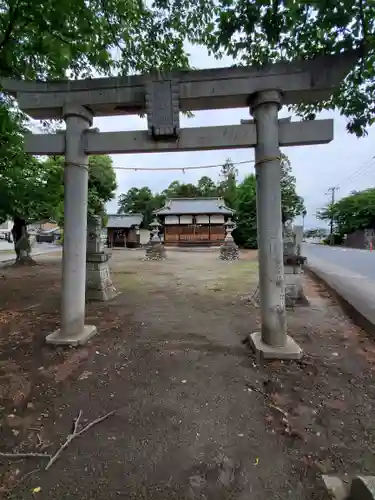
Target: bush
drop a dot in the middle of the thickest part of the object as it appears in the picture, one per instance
(338, 239)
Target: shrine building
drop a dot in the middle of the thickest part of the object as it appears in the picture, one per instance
(123, 230)
(194, 221)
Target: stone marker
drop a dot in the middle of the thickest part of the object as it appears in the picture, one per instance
(229, 250)
(293, 270)
(363, 488)
(23, 249)
(99, 285)
(155, 249)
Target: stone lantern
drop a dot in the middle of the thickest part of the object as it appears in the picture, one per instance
(155, 249)
(229, 250)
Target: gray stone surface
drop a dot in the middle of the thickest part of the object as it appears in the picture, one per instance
(294, 293)
(155, 251)
(229, 251)
(99, 285)
(162, 108)
(61, 338)
(363, 488)
(290, 350)
(299, 81)
(336, 488)
(190, 139)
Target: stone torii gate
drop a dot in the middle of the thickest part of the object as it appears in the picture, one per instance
(162, 97)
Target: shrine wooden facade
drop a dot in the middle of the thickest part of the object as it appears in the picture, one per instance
(123, 230)
(194, 221)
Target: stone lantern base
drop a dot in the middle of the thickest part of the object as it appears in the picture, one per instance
(155, 250)
(99, 286)
(229, 251)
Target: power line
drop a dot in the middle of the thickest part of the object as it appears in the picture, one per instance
(363, 169)
(361, 174)
(183, 169)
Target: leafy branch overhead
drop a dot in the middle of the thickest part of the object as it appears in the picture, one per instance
(69, 38)
(255, 32)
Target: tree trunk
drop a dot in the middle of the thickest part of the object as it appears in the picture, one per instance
(21, 242)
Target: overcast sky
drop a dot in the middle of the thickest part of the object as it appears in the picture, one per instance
(346, 162)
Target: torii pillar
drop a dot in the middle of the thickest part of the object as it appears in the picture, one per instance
(272, 341)
(73, 330)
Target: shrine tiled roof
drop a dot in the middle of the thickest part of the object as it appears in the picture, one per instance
(124, 220)
(179, 206)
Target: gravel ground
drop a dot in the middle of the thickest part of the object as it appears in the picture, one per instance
(197, 417)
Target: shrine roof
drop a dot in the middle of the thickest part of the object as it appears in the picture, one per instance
(124, 220)
(194, 206)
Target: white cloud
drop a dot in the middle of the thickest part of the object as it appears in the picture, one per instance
(315, 167)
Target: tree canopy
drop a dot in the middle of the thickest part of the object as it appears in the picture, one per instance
(356, 211)
(255, 32)
(62, 38)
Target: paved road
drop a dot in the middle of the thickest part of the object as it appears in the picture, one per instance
(356, 261)
(38, 248)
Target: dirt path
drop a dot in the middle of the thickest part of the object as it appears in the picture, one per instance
(196, 417)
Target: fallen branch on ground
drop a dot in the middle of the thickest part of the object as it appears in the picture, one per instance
(24, 455)
(288, 430)
(75, 434)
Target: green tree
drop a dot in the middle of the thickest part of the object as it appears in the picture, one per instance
(140, 201)
(101, 186)
(255, 32)
(227, 187)
(245, 234)
(353, 212)
(206, 187)
(177, 189)
(31, 189)
(292, 204)
(55, 39)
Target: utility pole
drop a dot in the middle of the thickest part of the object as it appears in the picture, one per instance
(332, 190)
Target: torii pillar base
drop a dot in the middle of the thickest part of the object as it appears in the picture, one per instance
(290, 350)
(59, 337)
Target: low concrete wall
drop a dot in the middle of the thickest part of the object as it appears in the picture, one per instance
(355, 292)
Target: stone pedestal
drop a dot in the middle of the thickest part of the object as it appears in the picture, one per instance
(99, 285)
(155, 251)
(294, 294)
(229, 250)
